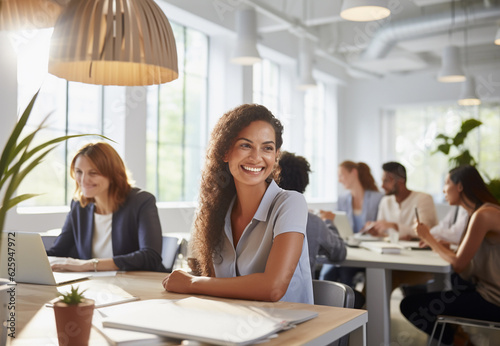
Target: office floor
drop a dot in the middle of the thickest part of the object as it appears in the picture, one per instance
(403, 333)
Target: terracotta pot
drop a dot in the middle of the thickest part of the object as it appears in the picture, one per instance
(73, 322)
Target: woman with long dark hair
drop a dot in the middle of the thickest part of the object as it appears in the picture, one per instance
(477, 259)
(249, 234)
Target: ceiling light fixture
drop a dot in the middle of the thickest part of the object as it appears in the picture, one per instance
(246, 52)
(497, 37)
(113, 42)
(451, 65)
(306, 80)
(451, 69)
(364, 10)
(29, 14)
(468, 97)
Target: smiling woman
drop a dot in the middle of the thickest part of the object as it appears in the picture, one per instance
(249, 235)
(111, 225)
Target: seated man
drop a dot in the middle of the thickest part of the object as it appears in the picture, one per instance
(396, 210)
(322, 239)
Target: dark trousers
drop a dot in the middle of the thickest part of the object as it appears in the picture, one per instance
(462, 301)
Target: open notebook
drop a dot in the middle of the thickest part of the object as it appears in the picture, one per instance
(31, 264)
(204, 320)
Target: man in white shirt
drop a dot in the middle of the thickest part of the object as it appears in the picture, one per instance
(399, 207)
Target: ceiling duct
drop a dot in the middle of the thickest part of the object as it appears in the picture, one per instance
(393, 32)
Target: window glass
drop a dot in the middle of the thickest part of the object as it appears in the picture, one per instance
(266, 76)
(314, 148)
(66, 108)
(416, 129)
(176, 123)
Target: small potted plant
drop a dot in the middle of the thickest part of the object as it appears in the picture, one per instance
(73, 314)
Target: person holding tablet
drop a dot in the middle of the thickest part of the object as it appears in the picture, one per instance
(111, 225)
(249, 234)
(476, 261)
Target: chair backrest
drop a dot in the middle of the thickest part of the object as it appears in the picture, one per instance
(333, 294)
(170, 251)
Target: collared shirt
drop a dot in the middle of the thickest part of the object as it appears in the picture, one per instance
(280, 211)
(404, 214)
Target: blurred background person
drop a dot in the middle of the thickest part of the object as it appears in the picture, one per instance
(361, 206)
(322, 239)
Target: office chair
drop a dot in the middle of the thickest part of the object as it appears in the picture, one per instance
(170, 250)
(462, 321)
(336, 294)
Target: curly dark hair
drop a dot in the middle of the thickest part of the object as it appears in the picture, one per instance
(217, 185)
(294, 173)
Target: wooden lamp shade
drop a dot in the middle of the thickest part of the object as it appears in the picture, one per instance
(113, 42)
(28, 14)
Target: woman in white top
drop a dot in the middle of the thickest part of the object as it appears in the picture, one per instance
(249, 234)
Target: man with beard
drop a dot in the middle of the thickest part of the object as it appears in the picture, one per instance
(396, 210)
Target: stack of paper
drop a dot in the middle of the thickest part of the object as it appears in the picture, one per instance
(382, 247)
(204, 320)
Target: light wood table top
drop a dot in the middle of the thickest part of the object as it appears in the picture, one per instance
(35, 323)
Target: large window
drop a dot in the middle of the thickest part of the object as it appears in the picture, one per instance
(414, 141)
(177, 122)
(314, 143)
(266, 78)
(70, 108)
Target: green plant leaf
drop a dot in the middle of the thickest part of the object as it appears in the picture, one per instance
(443, 136)
(465, 158)
(18, 199)
(469, 125)
(11, 142)
(444, 148)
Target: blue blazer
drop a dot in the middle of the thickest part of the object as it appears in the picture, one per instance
(136, 235)
(371, 201)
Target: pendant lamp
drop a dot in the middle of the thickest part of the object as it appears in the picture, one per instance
(113, 42)
(451, 69)
(246, 52)
(364, 10)
(468, 97)
(306, 80)
(29, 14)
(497, 37)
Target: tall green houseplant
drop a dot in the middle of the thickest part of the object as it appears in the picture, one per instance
(464, 157)
(18, 159)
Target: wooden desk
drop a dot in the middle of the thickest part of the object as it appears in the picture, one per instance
(379, 269)
(35, 323)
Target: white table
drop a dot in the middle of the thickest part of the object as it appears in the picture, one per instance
(379, 269)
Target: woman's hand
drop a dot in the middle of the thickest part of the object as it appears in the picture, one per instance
(67, 264)
(423, 232)
(178, 281)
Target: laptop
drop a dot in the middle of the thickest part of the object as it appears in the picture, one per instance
(24, 260)
(341, 221)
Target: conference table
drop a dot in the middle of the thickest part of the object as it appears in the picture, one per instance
(379, 269)
(35, 322)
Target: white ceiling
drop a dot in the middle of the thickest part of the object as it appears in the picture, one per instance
(410, 40)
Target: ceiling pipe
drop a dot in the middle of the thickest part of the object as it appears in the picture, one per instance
(298, 29)
(437, 23)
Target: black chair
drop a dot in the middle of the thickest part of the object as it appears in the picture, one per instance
(336, 294)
